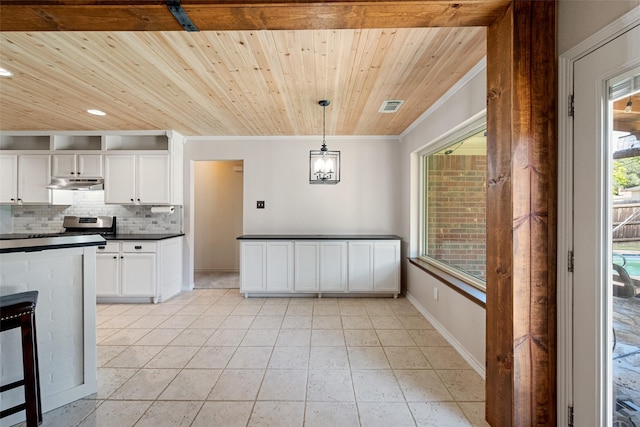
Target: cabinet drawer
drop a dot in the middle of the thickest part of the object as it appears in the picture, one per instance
(138, 246)
(110, 247)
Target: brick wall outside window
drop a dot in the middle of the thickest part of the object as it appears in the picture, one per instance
(455, 210)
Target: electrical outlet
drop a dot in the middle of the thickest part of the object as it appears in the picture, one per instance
(435, 293)
(260, 204)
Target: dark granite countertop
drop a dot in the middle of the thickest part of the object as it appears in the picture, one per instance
(48, 243)
(319, 237)
(143, 236)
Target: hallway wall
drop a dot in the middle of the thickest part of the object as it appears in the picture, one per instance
(218, 215)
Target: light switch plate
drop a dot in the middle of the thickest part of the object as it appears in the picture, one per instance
(260, 204)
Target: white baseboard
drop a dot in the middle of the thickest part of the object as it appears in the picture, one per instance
(475, 364)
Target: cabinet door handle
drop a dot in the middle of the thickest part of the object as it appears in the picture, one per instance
(73, 173)
(137, 247)
(138, 200)
(13, 200)
(102, 247)
(122, 257)
(132, 200)
(115, 257)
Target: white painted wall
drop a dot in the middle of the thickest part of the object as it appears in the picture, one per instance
(276, 171)
(579, 19)
(218, 215)
(461, 321)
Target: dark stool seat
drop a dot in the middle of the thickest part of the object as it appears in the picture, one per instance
(19, 311)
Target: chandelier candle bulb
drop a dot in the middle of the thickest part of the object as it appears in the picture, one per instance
(329, 165)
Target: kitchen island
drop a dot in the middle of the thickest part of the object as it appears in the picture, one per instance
(319, 265)
(63, 270)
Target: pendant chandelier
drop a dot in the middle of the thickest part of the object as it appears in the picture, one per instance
(324, 165)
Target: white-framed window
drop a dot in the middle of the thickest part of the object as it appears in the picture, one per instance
(453, 202)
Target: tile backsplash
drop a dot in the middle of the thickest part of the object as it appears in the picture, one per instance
(129, 219)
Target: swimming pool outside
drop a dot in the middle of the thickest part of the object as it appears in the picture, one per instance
(629, 260)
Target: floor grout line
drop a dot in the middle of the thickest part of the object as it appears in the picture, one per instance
(374, 314)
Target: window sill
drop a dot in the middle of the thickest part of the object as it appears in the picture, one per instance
(470, 292)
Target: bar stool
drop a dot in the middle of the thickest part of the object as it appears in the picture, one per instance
(19, 311)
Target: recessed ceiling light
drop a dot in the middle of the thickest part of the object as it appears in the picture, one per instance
(5, 73)
(97, 112)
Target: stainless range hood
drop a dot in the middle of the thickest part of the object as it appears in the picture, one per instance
(78, 184)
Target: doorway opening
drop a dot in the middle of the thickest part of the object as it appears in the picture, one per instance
(218, 186)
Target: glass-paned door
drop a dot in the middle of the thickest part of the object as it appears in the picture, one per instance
(606, 309)
(623, 132)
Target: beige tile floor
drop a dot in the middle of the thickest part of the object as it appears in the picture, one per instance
(212, 358)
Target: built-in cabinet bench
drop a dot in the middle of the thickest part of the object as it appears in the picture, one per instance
(286, 264)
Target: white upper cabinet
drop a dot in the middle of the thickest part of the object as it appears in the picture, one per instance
(153, 179)
(24, 179)
(137, 179)
(8, 178)
(77, 165)
(120, 179)
(139, 167)
(34, 174)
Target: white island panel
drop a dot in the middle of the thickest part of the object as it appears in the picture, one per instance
(65, 322)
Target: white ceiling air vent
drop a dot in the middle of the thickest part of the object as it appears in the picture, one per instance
(390, 106)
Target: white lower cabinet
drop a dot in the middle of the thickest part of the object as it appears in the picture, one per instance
(170, 268)
(386, 266)
(279, 267)
(326, 266)
(253, 266)
(130, 271)
(360, 266)
(108, 270)
(268, 266)
(374, 266)
(138, 270)
(320, 266)
(307, 266)
(333, 266)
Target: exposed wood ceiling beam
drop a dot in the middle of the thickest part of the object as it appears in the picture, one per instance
(210, 15)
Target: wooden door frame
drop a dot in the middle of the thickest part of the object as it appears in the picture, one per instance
(522, 151)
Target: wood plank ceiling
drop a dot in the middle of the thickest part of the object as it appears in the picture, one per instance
(627, 121)
(258, 83)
